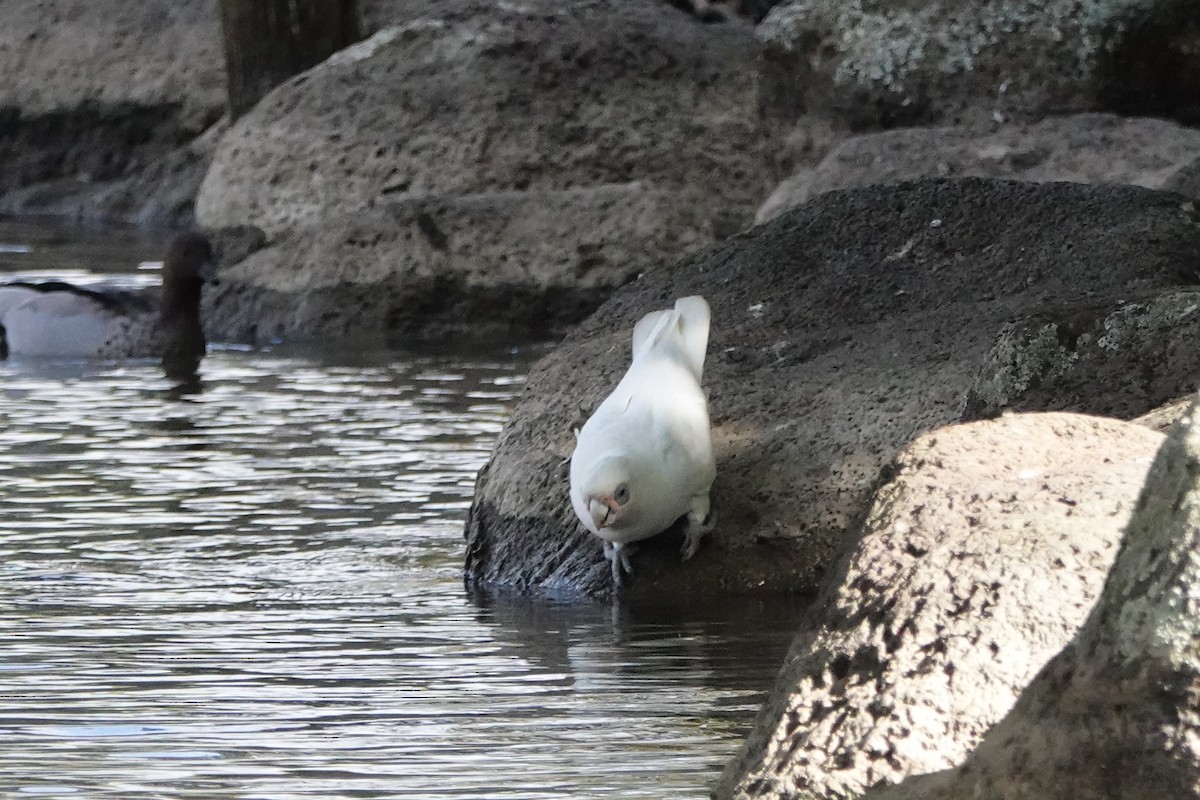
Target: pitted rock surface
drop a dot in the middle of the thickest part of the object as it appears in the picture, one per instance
(980, 560)
(558, 149)
(1115, 714)
(841, 331)
(874, 64)
(1083, 148)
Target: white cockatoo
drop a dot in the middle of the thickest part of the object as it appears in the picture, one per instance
(645, 457)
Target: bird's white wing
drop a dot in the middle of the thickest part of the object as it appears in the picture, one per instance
(650, 327)
(663, 380)
(679, 333)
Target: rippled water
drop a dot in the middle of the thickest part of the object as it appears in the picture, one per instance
(252, 589)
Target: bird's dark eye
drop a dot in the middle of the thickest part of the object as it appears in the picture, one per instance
(621, 495)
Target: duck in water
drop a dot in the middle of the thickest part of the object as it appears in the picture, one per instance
(60, 320)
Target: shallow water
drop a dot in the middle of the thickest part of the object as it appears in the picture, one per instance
(252, 589)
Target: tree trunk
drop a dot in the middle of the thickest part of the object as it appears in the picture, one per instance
(269, 41)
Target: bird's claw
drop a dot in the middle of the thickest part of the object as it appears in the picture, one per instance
(618, 557)
(698, 526)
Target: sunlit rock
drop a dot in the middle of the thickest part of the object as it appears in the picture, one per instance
(1116, 714)
(979, 561)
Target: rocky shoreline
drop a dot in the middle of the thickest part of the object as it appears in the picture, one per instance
(874, 199)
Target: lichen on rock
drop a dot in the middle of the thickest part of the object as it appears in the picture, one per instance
(1138, 322)
(1021, 359)
(877, 63)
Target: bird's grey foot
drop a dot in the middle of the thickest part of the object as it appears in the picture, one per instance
(700, 523)
(618, 557)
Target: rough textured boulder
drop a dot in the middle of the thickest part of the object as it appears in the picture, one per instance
(108, 108)
(125, 165)
(1162, 418)
(60, 54)
(100, 103)
(497, 97)
(1186, 180)
(841, 330)
(980, 559)
(1116, 714)
(878, 64)
(550, 146)
(523, 262)
(1087, 148)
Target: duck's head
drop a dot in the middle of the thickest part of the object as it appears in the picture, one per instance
(187, 265)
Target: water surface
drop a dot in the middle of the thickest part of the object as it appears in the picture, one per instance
(252, 589)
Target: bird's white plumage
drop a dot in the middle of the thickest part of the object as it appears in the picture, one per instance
(648, 443)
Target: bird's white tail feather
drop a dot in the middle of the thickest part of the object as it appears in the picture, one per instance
(684, 327)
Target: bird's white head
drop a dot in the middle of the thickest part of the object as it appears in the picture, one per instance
(607, 493)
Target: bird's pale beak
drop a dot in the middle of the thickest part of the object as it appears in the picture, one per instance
(601, 509)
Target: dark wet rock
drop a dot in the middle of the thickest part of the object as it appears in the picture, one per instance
(1086, 148)
(841, 330)
(979, 561)
(1116, 714)
(881, 64)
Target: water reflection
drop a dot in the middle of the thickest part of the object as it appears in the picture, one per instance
(251, 587)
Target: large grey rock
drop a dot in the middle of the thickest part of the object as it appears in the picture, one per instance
(57, 55)
(979, 561)
(561, 148)
(509, 98)
(101, 104)
(1186, 180)
(109, 109)
(527, 263)
(1116, 714)
(875, 63)
(841, 330)
(1085, 148)
(61, 55)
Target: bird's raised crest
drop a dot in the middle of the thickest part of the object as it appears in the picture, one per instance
(684, 327)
